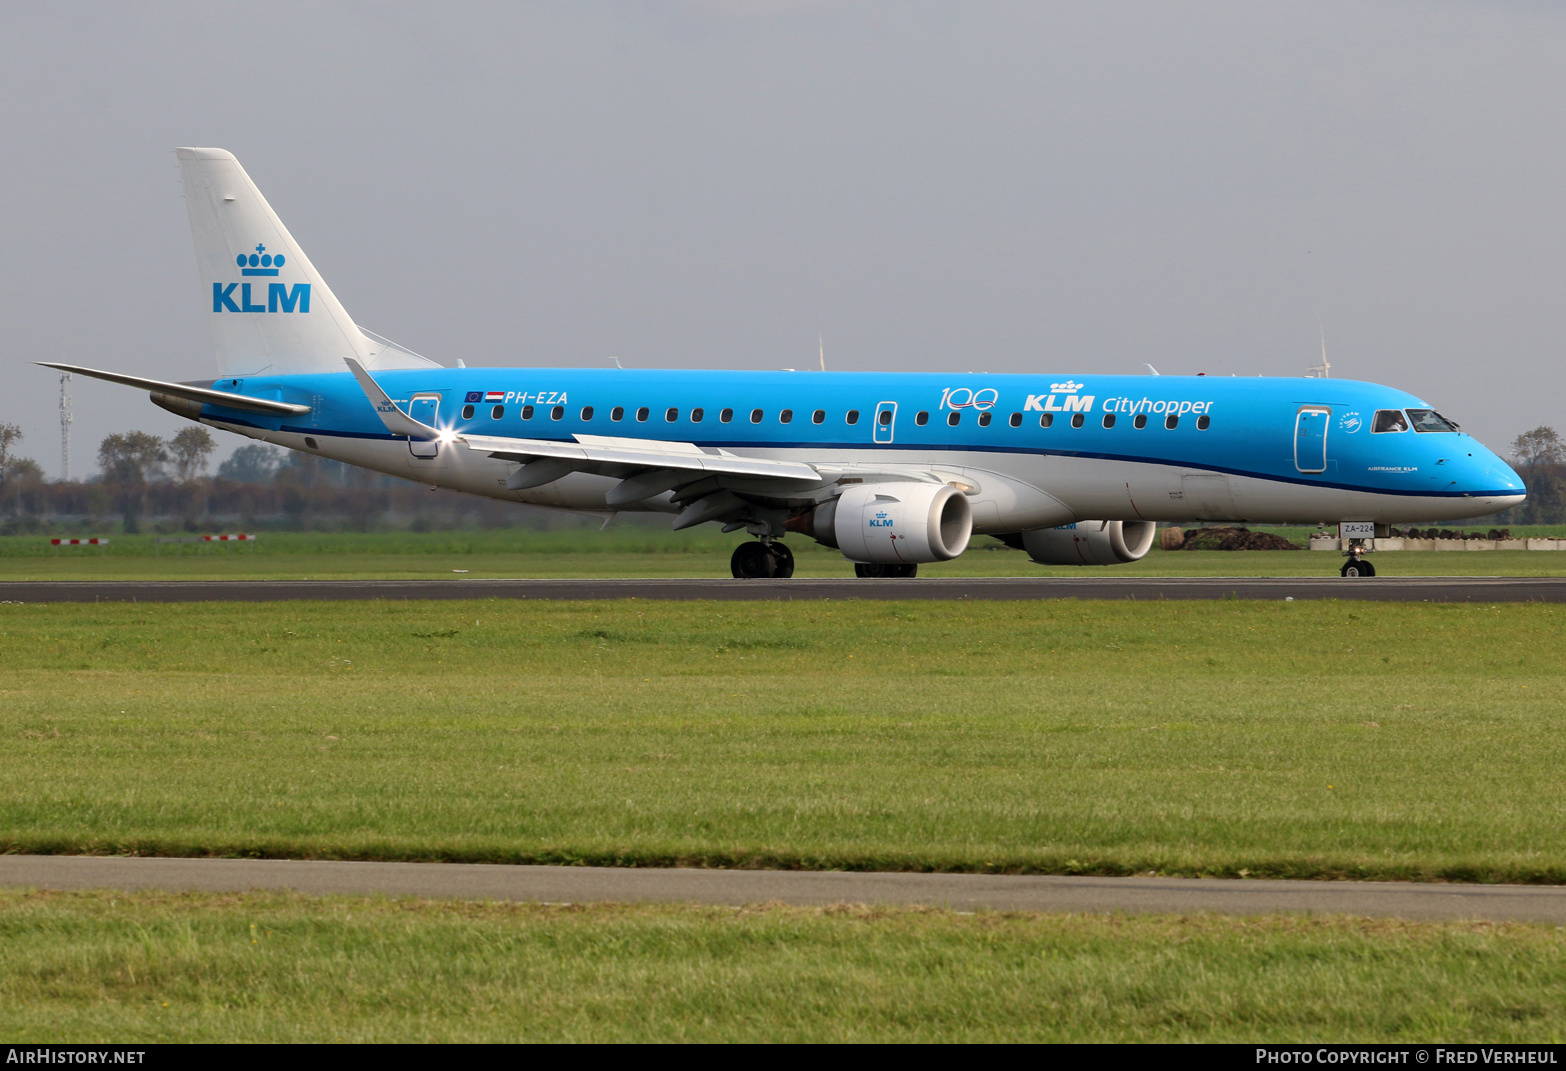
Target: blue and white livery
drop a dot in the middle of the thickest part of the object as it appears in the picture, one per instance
(894, 469)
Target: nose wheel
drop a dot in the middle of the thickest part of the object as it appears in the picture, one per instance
(762, 561)
(1357, 566)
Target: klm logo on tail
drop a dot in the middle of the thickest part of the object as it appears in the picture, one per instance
(280, 297)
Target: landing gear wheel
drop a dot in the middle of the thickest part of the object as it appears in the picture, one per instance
(784, 559)
(1358, 568)
(879, 571)
(758, 561)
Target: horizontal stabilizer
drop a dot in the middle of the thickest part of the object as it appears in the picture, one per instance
(201, 395)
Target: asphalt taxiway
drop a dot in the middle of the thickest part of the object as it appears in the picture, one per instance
(1390, 589)
(964, 892)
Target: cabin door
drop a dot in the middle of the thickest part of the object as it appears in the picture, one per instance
(1310, 438)
(425, 408)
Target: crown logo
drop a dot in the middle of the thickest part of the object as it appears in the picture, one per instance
(259, 263)
(1065, 387)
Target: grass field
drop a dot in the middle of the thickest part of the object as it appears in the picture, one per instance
(1237, 738)
(642, 551)
(151, 968)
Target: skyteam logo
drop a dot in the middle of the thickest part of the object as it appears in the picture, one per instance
(280, 297)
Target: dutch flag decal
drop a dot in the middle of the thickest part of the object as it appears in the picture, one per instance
(495, 396)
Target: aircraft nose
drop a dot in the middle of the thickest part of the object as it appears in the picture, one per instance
(1488, 474)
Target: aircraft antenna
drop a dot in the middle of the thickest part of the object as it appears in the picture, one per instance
(616, 361)
(65, 426)
(1153, 370)
(821, 342)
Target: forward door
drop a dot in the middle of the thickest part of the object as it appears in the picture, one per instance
(1310, 438)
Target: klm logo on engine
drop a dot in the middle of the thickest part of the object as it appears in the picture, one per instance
(280, 297)
(881, 520)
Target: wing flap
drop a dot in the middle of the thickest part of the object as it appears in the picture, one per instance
(592, 451)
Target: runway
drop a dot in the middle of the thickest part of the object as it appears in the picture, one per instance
(1389, 589)
(964, 892)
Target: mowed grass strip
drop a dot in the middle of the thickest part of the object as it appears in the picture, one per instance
(1396, 741)
(147, 967)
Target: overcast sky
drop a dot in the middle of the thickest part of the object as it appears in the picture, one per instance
(1029, 186)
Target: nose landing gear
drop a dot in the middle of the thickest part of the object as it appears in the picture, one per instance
(762, 561)
(1356, 566)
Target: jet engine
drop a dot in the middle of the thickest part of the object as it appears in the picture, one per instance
(1090, 543)
(892, 522)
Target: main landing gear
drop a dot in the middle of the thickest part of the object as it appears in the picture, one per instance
(1356, 565)
(762, 561)
(878, 570)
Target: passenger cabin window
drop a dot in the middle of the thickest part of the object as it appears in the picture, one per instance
(984, 420)
(1109, 420)
(1016, 420)
(1077, 420)
(851, 417)
(467, 412)
(953, 419)
(557, 412)
(755, 416)
(884, 417)
(1139, 421)
(498, 412)
(726, 416)
(696, 415)
(617, 413)
(1171, 422)
(786, 416)
(641, 414)
(587, 412)
(818, 416)
(1203, 422)
(1389, 420)
(1046, 420)
(1429, 420)
(671, 415)
(527, 412)
(921, 419)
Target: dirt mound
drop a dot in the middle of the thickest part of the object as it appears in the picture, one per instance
(1233, 539)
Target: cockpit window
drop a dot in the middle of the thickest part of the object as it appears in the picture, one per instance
(1389, 420)
(1430, 420)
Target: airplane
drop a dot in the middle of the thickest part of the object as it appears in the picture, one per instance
(892, 469)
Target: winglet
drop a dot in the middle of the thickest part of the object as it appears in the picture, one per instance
(397, 422)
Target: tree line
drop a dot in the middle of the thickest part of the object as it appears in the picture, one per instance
(146, 483)
(163, 484)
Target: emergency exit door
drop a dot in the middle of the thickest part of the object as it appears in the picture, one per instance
(1310, 438)
(885, 425)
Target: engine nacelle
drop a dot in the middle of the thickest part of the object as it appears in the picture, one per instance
(1090, 543)
(893, 522)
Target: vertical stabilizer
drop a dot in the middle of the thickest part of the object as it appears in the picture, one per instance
(269, 310)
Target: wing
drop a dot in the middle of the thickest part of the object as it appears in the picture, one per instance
(645, 467)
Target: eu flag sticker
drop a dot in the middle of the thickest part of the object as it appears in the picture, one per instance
(474, 396)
